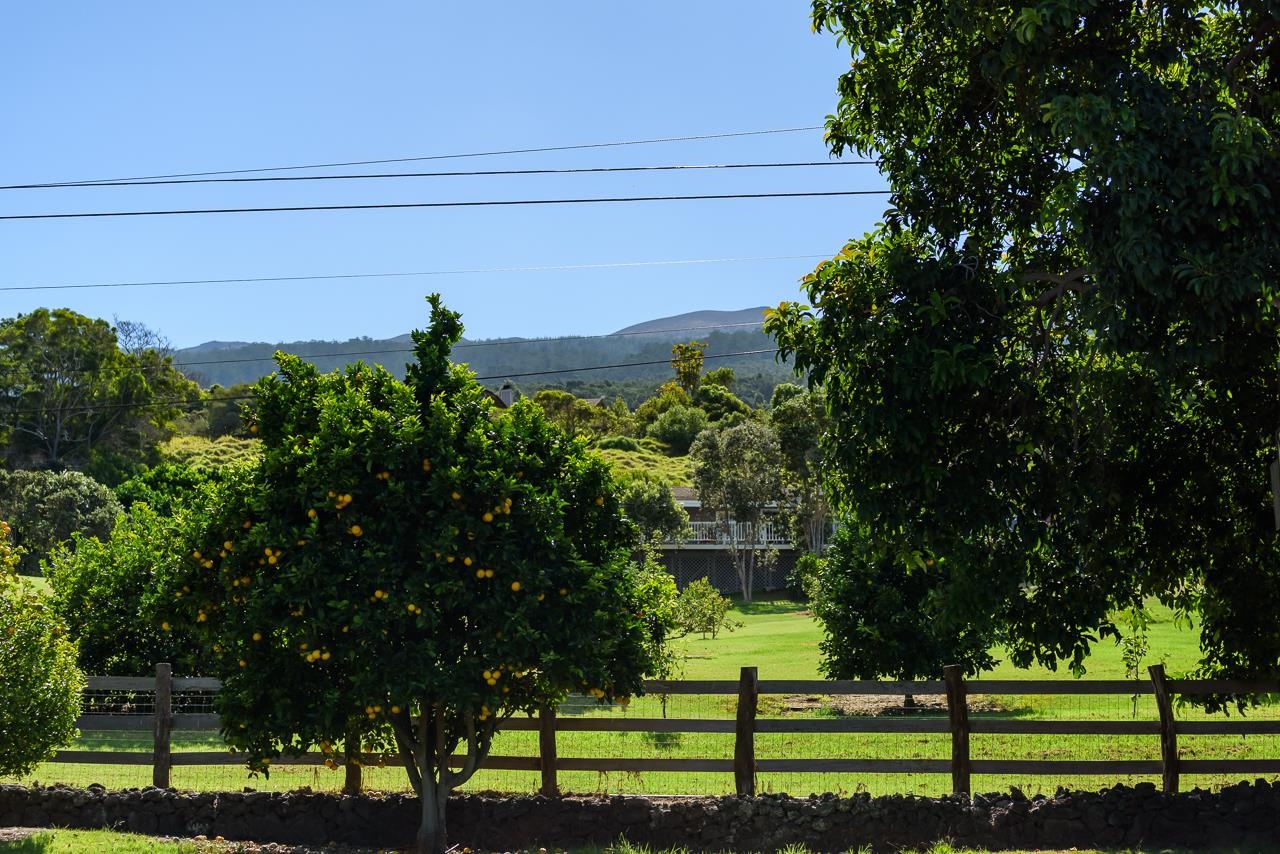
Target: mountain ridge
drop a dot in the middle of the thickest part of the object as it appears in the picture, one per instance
(630, 363)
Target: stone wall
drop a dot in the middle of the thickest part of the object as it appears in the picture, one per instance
(1245, 815)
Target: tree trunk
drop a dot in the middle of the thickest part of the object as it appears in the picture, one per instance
(431, 831)
(353, 782)
(433, 764)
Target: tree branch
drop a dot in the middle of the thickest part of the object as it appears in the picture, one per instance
(1070, 281)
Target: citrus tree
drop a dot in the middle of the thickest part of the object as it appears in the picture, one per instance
(407, 559)
(41, 687)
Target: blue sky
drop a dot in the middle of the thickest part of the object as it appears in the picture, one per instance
(96, 90)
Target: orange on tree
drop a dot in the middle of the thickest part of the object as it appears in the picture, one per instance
(430, 655)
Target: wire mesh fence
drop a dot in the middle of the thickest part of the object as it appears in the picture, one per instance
(827, 742)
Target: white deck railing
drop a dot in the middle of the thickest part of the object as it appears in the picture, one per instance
(724, 533)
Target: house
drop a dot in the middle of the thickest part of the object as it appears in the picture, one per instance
(706, 551)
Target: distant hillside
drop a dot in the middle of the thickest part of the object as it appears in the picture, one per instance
(696, 319)
(533, 363)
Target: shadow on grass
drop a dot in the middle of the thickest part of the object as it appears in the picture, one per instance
(36, 844)
(769, 605)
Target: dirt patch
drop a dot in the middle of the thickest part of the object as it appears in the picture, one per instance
(219, 845)
(17, 834)
(877, 705)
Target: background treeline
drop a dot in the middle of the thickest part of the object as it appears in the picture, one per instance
(231, 363)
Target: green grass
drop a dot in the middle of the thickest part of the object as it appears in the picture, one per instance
(36, 581)
(94, 841)
(675, 471)
(61, 841)
(781, 640)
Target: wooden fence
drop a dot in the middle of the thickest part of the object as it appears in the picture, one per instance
(744, 766)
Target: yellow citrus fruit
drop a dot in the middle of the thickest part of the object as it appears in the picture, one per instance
(164, 627)
(515, 585)
(466, 561)
(257, 636)
(311, 514)
(356, 530)
(456, 496)
(488, 517)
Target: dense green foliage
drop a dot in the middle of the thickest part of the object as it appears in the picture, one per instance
(40, 688)
(800, 419)
(575, 416)
(654, 510)
(1053, 372)
(406, 556)
(678, 427)
(75, 399)
(113, 595)
(167, 487)
(46, 508)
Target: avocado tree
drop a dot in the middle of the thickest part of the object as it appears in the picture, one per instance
(1052, 372)
(406, 557)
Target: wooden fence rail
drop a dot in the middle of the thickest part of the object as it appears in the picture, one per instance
(744, 766)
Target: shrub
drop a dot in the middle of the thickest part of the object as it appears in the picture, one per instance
(802, 581)
(618, 443)
(654, 509)
(678, 427)
(45, 508)
(111, 593)
(703, 609)
(40, 685)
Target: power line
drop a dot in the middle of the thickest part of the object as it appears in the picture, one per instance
(498, 153)
(183, 363)
(472, 204)
(706, 357)
(475, 173)
(185, 402)
(459, 272)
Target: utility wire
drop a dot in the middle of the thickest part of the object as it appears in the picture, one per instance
(473, 204)
(191, 403)
(460, 272)
(498, 153)
(463, 174)
(177, 363)
(706, 357)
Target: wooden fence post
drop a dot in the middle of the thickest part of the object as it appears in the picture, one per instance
(1168, 730)
(958, 710)
(160, 753)
(744, 745)
(547, 750)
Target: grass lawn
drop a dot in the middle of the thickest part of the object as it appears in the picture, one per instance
(94, 841)
(36, 581)
(781, 640)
